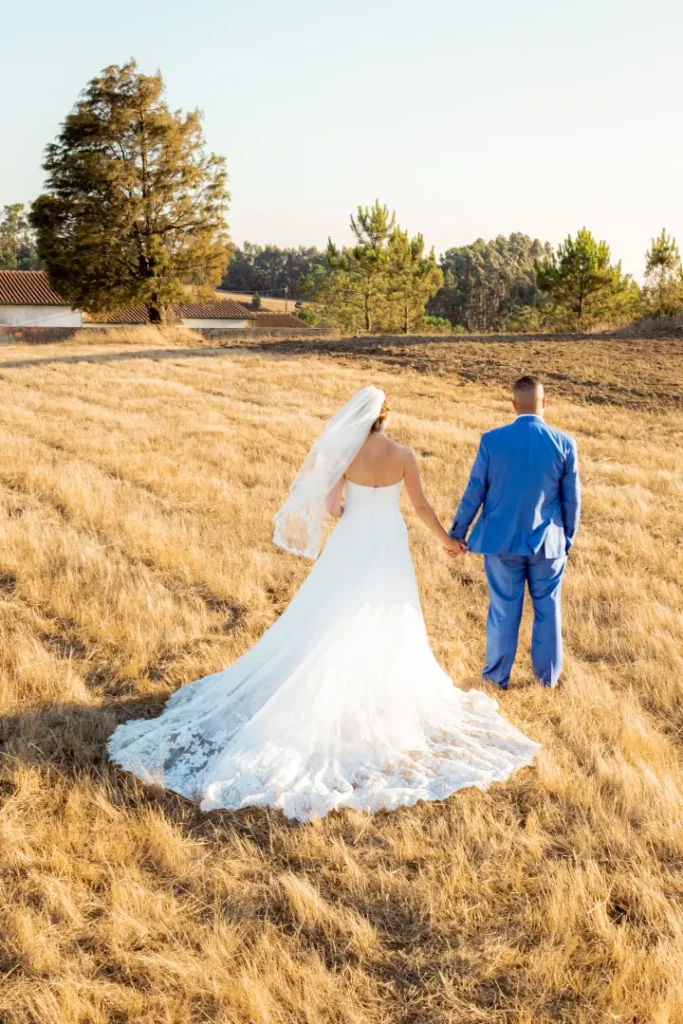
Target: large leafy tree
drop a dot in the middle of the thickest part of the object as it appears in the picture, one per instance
(581, 286)
(18, 249)
(663, 277)
(135, 207)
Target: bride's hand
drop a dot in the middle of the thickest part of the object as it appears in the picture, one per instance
(454, 547)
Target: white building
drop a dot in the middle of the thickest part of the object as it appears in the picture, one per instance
(27, 300)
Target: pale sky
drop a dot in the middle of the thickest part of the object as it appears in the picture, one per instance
(469, 119)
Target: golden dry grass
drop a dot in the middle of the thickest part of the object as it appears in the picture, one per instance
(136, 494)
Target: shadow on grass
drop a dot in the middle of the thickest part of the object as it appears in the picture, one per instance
(69, 741)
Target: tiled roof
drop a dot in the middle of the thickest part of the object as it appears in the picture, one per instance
(27, 288)
(278, 320)
(223, 310)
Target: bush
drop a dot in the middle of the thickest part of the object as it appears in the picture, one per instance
(525, 320)
(437, 325)
(308, 315)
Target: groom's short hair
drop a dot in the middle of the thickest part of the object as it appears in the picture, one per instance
(527, 386)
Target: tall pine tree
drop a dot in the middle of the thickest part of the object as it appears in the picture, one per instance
(663, 277)
(135, 208)
(355, 295)
(414, 277)
(582, 287)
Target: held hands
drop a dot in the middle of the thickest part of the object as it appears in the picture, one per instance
(454, 547)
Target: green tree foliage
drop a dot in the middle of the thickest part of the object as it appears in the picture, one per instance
(18, 249)
(580, 287)
(135, 208)
(308, 315)
(269, 270)
(413, 278)
(663, 293)
(436, 325)
(486, 281)
(358, 285)
(382, 283)
(256, 301)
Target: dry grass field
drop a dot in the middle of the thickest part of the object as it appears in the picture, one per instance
(137, 486)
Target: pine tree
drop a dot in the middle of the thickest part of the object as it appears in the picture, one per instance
(356, 294)
(663, 276)
(413, 279)
(581, 286)
(135, 208)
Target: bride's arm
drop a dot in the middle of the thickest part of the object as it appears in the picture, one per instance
(334, 499)
(424, 509)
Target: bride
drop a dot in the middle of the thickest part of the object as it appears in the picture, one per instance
(341, 703)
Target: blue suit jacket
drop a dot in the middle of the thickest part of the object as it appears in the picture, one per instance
(525, 479)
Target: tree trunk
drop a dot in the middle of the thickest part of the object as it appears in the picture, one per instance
(580, 300)
(154, 313)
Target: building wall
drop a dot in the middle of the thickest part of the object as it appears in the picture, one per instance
(223, 324)
(35, 335)
(40, 316)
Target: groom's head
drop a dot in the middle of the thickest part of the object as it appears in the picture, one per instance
(528, 396)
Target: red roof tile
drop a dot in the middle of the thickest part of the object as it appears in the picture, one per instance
(278, 320)
(223, 310)
(27, 288)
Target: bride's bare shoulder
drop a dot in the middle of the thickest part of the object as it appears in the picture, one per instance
(407, 453)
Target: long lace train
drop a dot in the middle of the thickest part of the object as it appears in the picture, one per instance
(341, 703)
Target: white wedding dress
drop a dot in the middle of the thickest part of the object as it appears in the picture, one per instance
(341, 703)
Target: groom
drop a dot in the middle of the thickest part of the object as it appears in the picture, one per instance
(525, 478)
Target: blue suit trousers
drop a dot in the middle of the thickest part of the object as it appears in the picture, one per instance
(508, 577)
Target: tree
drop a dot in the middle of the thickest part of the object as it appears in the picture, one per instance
(663, 277)
(269, 270)
(413, 279)
(485, 282)
(17, 241)
(308, 315)
(436, 325)
(255, 301)
(357, 288)
(580, 285)
(135, 208)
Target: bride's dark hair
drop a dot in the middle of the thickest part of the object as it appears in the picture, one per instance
(383, 415)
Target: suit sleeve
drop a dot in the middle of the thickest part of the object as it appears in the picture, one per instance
(474, 495)
(570, 494)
